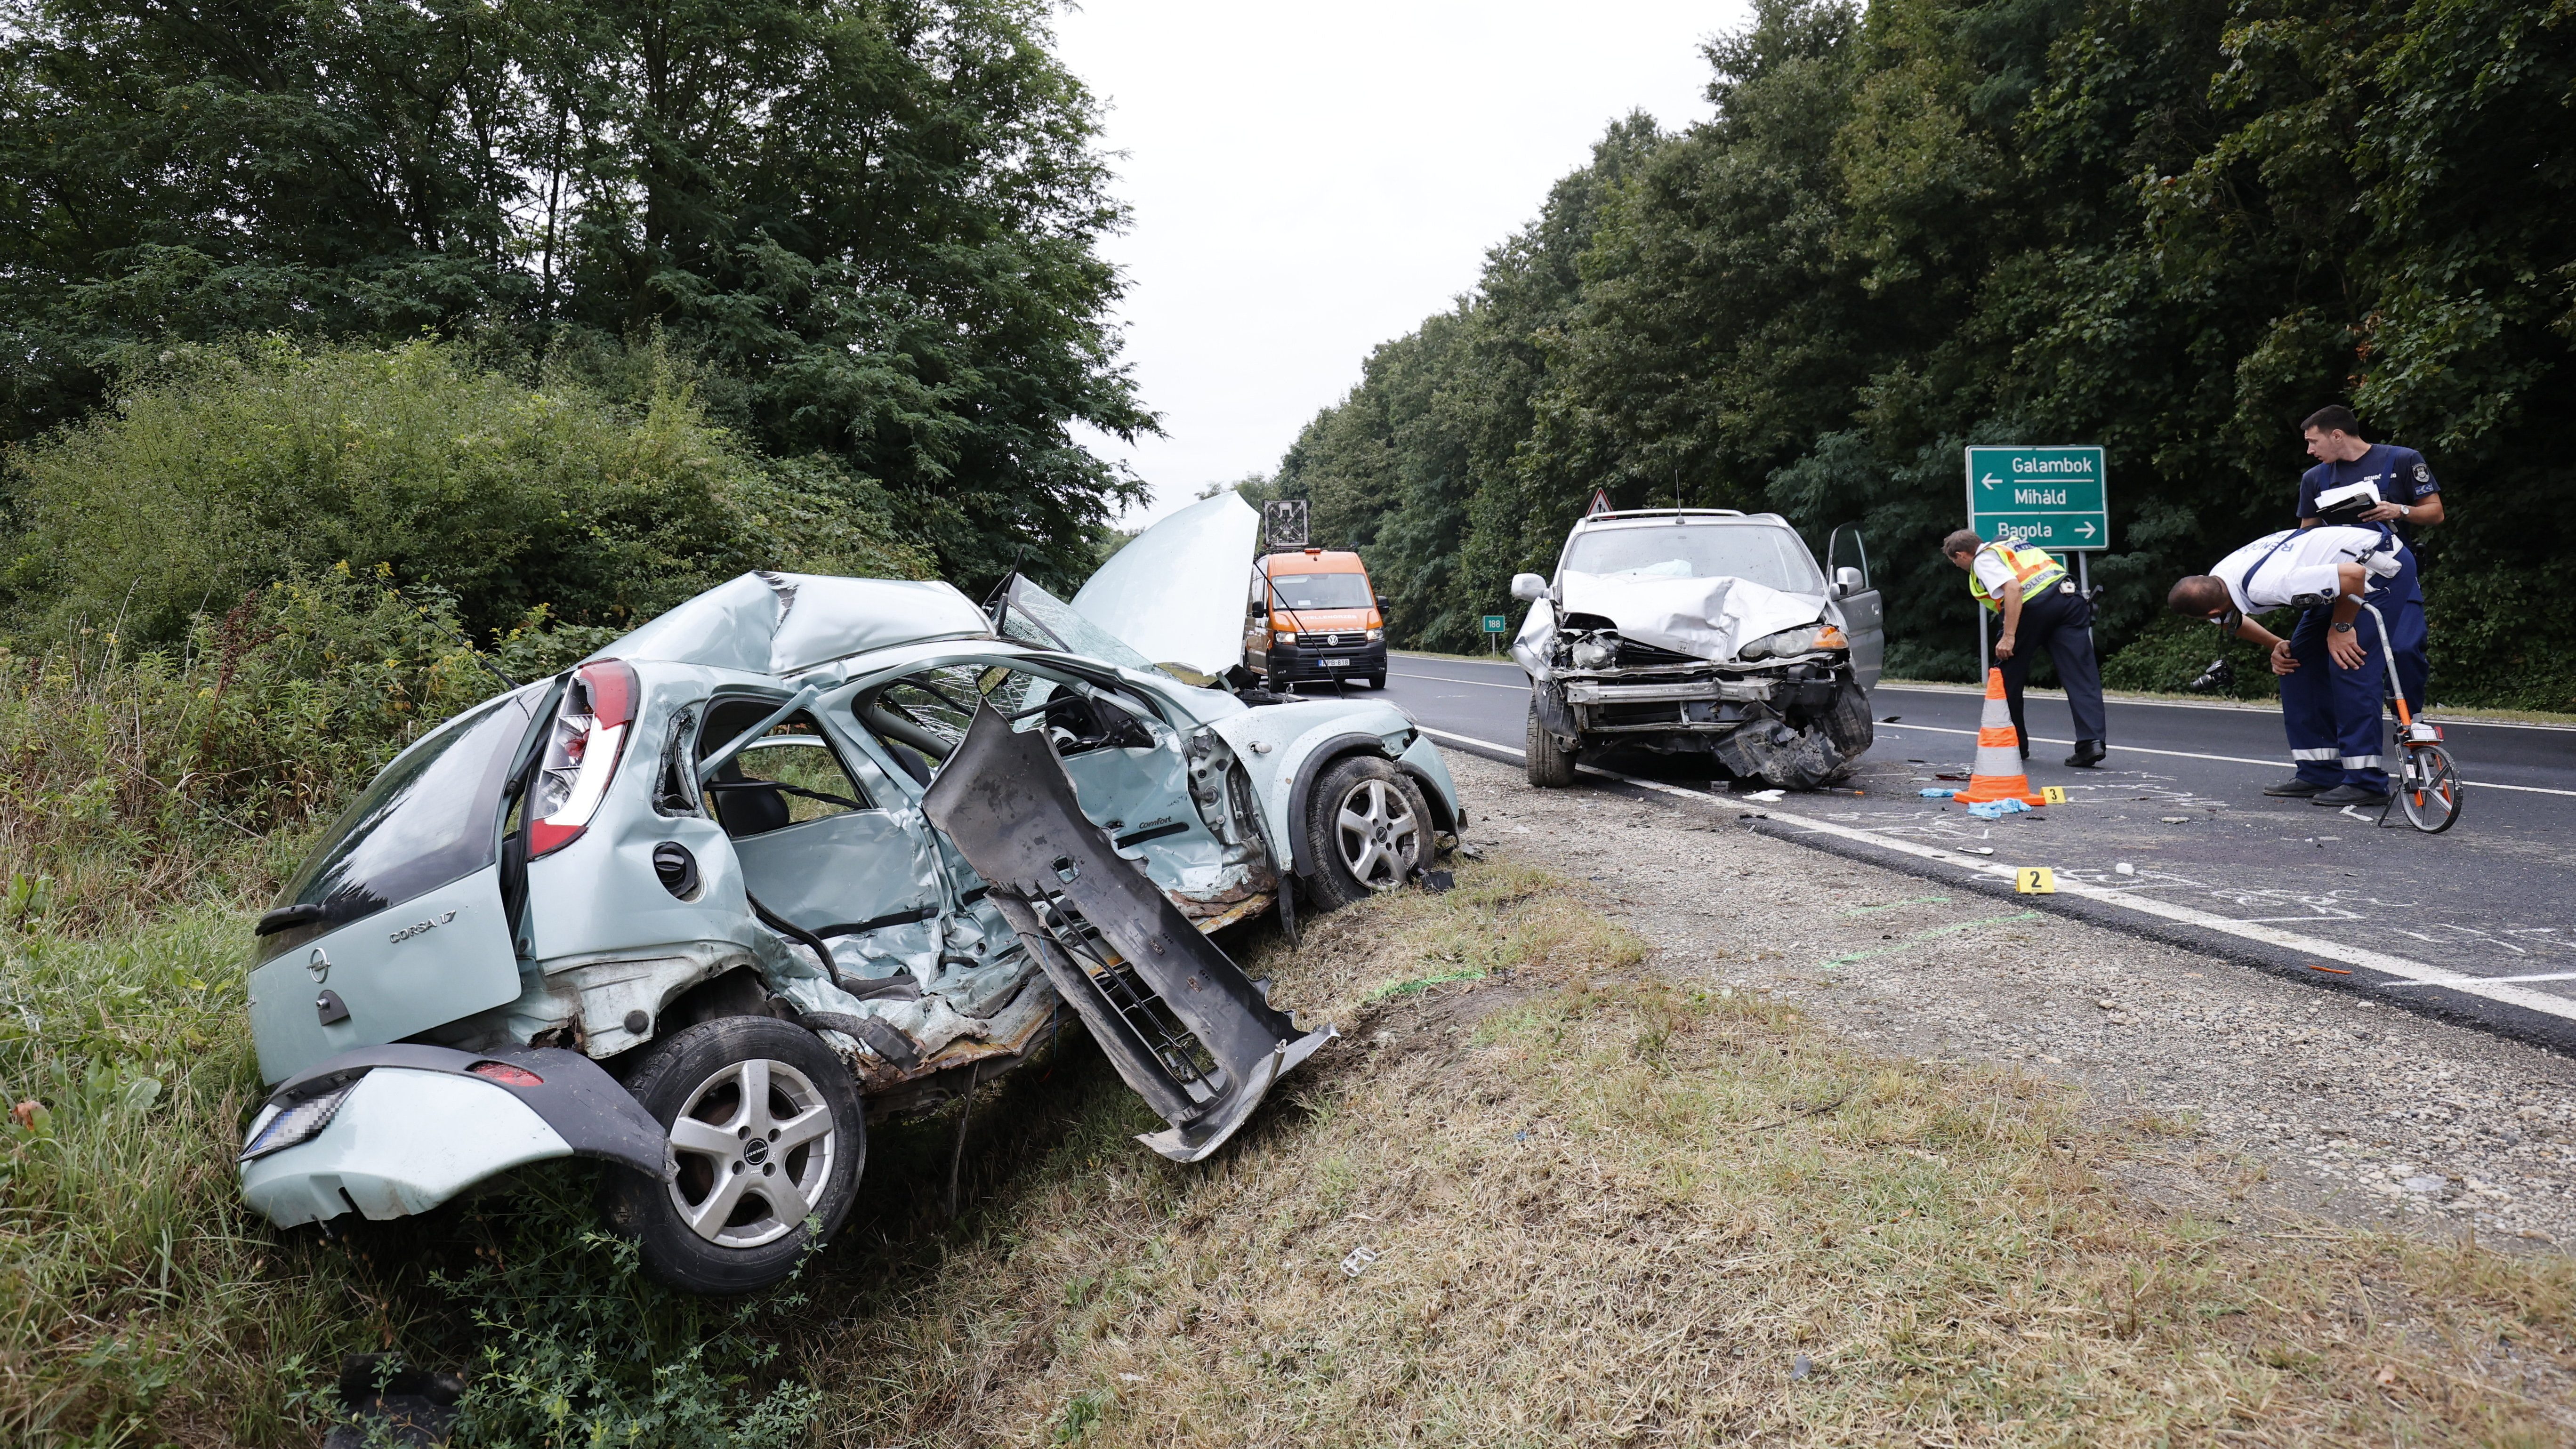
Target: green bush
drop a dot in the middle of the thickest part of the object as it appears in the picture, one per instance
(133, 783)
(221, 469)
(2172, 651)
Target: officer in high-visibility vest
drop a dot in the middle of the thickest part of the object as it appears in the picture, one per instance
(2040, 608)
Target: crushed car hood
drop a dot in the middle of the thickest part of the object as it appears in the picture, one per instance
(1704, 618)
(1177, 593)
(773, 623)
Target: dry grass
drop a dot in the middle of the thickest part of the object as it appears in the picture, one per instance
(1604, 1211)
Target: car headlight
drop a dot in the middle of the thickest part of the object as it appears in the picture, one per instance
(1376, 636)
(1806, 639)
(1283, 637)
(297, 1124)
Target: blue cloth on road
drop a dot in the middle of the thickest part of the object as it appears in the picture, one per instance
(1997, 809)
(2332, 714)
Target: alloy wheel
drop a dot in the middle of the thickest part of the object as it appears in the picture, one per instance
(1378, 833)
(755, 1144)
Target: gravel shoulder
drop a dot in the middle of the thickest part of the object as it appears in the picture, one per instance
(2275, 1098)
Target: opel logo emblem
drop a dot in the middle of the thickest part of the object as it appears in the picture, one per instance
(318, 965)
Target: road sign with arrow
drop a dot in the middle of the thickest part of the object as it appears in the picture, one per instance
(2056, 498)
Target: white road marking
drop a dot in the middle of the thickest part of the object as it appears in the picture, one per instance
(2190, 755)
(1521, 688)
(2410, 973)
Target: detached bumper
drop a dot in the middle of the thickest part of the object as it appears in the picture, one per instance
(413, 1128)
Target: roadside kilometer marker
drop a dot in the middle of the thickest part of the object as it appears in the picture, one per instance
(2035, 880)
(2052, 794)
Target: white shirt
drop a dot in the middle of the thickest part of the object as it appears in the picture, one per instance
(2302, 561)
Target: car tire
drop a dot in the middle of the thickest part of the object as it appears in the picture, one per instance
(764, 1082)
(1377, 681)
(1369, 828)
(1550, 761)
(1847, 721)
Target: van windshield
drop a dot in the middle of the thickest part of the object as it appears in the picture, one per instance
(431, 817)
(1769, 556)
(1321, 591)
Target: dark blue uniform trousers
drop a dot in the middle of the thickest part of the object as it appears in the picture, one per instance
(2332, 714)
(2061, 621)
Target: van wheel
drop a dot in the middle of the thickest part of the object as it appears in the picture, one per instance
(1550, 761)
(1369, 828)
(1377, 681)
(765, 1124)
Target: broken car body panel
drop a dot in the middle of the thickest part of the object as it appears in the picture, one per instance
(1175, 592)
(592, 863)
(1701, 631)
(1187, 1030)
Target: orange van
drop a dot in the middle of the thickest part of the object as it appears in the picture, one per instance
(1313, 615)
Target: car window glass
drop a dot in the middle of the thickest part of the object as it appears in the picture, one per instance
(787, 777)
(431, 817)
(1321, 591)
(1772, 557)
(1033, 616)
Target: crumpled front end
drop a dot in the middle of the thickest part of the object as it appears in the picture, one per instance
(1756, 679)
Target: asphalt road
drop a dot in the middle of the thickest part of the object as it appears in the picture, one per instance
(2175, 822)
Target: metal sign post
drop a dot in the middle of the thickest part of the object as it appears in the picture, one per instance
(2056, 498)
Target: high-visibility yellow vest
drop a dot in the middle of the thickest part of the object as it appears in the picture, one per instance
(2035, 568)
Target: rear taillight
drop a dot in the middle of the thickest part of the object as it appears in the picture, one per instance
(506, 1074)
(589, 735)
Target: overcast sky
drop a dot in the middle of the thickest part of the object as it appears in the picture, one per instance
(1312, 179)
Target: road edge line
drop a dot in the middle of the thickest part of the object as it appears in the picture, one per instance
(2532, 1017)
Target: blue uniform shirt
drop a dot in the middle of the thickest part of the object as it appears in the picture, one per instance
(2401, 474)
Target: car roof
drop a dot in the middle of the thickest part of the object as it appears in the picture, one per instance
(1643, 516)
(778, 624)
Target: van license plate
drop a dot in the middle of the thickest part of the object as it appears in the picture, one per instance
(1337, 664)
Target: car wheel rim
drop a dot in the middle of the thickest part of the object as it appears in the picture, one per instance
(1377, 833)
(755, 1144)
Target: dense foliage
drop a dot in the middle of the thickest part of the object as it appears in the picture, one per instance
(873, 221)
(2173, 229)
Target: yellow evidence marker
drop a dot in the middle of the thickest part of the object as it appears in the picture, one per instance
(2035, 880)
(2052, 794)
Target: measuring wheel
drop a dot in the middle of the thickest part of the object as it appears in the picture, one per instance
(2428, 789)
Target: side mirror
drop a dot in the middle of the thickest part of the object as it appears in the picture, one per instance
(1847, 582)
(1528, 588)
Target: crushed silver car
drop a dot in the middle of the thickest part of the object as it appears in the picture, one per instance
(1699, 632)
(801, 851)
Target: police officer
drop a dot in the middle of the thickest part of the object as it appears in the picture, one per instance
(2332, 679)
(2409, 496)
(2040, 608)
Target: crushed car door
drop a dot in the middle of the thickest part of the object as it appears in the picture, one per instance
(396, 923)
(1864, 617)
(1133, 774)
(815, 848)
(1187, 1030)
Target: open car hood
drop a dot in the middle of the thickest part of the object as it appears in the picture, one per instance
(773, 623)
(1177, 593)
(1704, 618)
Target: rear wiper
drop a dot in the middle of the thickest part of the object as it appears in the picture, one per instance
(286, 918)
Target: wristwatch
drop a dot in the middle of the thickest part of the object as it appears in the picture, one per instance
(2343, 628)
(2406, 510)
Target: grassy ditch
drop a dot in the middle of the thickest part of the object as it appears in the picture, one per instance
(1561, 1201)
(1582, 1205)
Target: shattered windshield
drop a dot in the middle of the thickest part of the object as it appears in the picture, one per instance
(1322, 591)
(1033, 616)
(1771, 557)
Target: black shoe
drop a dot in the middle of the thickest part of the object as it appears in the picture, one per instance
(2349, 795)
(2088, 753)
(2296, 789)
(2025, 749)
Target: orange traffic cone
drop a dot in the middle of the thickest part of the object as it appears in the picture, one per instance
(1997, 775)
